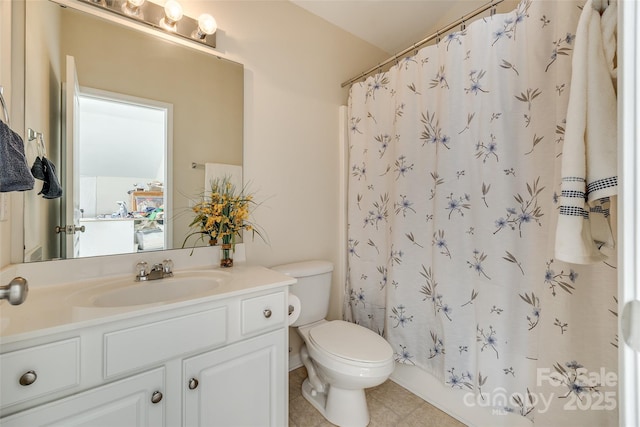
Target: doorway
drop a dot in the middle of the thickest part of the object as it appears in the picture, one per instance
(123, 175)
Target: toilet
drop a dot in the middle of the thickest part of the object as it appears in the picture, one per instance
(342, 358)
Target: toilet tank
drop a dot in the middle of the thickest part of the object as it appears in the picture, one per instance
(313, 288)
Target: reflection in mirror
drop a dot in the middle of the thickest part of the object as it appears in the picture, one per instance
(110, 124)
(206, 96)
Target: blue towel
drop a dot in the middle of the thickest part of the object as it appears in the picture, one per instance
(14, 171)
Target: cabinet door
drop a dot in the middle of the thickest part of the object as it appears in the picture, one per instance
(123, 403)
(240, 385)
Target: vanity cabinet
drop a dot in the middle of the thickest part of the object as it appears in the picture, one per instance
(221, 362)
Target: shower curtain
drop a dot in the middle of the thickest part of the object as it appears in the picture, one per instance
(455, 157)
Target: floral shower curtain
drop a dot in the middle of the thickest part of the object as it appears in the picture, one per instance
(455, 157)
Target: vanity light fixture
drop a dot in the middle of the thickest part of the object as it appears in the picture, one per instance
(167, 17)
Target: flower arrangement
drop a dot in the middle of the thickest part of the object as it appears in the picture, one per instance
(222, 215)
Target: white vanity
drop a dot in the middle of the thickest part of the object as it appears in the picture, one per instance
(80, 354)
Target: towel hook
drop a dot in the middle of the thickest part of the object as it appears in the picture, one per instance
(40, 144)
(39, 137)
(5, 110)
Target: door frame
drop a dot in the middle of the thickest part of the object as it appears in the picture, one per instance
(628, 203)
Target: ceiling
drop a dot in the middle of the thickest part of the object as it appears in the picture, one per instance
(391, 25)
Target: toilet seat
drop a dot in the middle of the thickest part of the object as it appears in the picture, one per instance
(351, 343)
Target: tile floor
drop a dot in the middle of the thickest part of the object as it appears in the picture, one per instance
(389, 406)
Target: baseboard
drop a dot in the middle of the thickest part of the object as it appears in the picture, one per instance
(294, 361)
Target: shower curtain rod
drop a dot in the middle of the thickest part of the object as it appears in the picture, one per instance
(415, 46)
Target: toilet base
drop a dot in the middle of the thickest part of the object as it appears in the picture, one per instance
(344, 408)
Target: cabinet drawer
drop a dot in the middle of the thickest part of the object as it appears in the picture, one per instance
(119, 404)
(146, 345)
(42, 369)
(263, 313)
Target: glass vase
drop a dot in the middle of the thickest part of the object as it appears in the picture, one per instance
(226, 255)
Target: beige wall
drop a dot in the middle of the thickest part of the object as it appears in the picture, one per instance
(42, 89)
(294, 65)
(5, 79)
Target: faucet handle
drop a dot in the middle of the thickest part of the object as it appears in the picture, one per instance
(142, 270)
(167, 267)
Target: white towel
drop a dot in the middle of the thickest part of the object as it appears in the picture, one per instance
(609, 35)
(589, 158)
(220, 171)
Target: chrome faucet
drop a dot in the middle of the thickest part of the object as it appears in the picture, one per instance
(158, 271)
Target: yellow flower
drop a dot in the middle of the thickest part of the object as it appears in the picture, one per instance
(223, 213)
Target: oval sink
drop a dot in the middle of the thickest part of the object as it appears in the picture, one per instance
(156, 291)
(126, 293)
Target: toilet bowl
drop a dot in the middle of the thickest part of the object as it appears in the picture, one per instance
(347, 358)
(342, 358)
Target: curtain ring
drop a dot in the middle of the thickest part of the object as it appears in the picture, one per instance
(438, 37)
(463, 25)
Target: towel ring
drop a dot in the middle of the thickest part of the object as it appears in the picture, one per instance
(5, 110)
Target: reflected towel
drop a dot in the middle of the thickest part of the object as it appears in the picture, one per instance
(14, 170)
(150, 239)
(37, 170)
(51, 189)
(589, 158)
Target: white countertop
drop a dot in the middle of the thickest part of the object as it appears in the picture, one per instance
(50, 309)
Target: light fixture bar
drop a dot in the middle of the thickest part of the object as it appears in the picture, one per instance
(152, 14)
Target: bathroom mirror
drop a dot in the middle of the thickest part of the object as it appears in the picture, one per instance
(204, 95)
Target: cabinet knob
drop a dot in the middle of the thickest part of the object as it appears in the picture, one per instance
(156, 397)
(193, 384)
(28, 378)
(267, 313)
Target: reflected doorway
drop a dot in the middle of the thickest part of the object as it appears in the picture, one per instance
(123, 199)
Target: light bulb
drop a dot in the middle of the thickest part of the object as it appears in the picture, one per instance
(206, 25)
(132, 8)
(172, 11)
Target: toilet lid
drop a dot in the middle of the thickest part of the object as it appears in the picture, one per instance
(351, 341)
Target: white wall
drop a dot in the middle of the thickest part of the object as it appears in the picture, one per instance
(294, 65)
